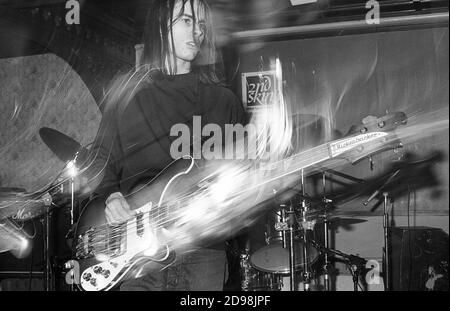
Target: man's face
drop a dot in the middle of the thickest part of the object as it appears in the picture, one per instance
(187, 39)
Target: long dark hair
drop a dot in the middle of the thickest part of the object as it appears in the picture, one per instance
(158, 25)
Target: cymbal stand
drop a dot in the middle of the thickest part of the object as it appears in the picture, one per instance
(72, 190)
(72, 205)
(326, 266)
(386, 255)
(291, 222)
(306, 273)
(73, 174)
(47, 248)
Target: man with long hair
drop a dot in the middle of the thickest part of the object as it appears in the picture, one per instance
(175, 81)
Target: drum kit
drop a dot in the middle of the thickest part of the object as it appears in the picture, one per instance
(293, 245)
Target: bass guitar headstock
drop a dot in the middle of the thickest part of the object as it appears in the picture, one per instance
(373, 135)
(388, 122)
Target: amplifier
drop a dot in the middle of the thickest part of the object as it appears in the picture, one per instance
(419, 259)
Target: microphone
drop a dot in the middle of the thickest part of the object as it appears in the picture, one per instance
(377, 191)
(372, 196)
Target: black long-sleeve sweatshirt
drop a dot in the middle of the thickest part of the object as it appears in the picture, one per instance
(134, 141)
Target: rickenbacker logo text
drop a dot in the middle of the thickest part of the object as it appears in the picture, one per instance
(344, 145)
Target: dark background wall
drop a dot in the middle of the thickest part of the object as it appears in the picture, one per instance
(343, 79)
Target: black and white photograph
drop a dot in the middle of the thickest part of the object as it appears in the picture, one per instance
(226, 150)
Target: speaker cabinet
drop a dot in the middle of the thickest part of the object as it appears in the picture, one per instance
(419, 259)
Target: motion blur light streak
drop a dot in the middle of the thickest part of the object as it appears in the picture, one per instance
(13, 239)
(274, 126)
(252, 187)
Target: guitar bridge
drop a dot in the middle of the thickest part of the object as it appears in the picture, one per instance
(108, 242)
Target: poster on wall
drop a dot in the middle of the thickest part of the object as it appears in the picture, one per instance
(258, 89)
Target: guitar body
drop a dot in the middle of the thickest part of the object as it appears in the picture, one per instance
(108, 253)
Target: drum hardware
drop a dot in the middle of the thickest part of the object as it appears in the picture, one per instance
(72, 153)
(291, 223)
(48, 270)
(306, 272)
(281, 226)
(326, 266)
(245, 272)
(273, 256)
(69, 151)
(288, 235)
(254, 280)
(357, 264)
(325, 170)
(386, 248)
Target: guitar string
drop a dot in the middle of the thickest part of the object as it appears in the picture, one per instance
(117, 231)
(37, 194)
(99, 245)
(385, 138)
(161, 221)
(157, 218)
(405, 133)
(164, 219)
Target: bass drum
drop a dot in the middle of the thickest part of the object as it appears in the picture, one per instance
(273, 257)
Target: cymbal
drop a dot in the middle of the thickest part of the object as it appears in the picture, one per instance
(63, 146)
(342, 222)
(335, 220)
(68, 149)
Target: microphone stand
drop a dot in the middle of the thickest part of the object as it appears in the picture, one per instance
(356, 263)
(386, 253)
